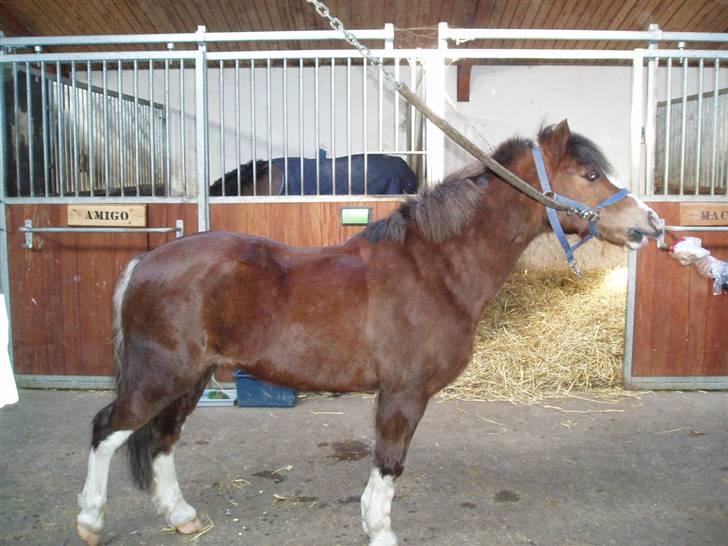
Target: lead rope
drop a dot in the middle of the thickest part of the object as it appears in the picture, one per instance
(455, 135)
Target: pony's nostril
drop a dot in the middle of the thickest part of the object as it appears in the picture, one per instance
(635, 236)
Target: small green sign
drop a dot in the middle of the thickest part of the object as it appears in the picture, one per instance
(356, 216)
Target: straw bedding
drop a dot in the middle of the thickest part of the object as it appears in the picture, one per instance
(547, 334)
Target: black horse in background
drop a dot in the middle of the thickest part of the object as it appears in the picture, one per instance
(373, 174)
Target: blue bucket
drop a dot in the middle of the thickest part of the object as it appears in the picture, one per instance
(253, 392)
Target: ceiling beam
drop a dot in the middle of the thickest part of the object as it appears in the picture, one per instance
(10, 24)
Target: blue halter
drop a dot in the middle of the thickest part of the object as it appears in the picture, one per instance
(553, 216)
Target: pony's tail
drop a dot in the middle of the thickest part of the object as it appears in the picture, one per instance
(117, 327)
(140, 455)
(139, 443)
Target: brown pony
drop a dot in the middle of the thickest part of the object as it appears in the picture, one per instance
(394, 310)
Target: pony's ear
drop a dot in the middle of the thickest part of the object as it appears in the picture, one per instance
(559, 139)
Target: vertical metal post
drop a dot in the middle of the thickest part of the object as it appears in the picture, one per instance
(316, 127)
(714, 154)
(44, 114)
(253, 123)
(121, 140)
(269, 126)
(684, 127)
(668, 114)
(698, 158)
(152, 135)
(237, 123)
(364, 123)
(4, 269)
(183, 126)
(333, 125)
(221, 99)
(435, 89)
(380, 113)
(636, 133)
(395, 96)
(202, 143)
(61, 144)
(167, 151)
(16, 121)
(74, 130)
(137, 157)
(300, 118)
(29, 107)
(105, 74)
(650, 120)
(285, 124)
(348, 120)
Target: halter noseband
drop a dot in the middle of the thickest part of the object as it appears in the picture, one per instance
(589, 214)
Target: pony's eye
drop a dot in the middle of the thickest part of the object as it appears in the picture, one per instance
(592, 176)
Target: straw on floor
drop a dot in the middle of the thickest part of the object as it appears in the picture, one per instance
(547, 334)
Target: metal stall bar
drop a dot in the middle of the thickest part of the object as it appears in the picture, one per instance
(44, 113)
(168, 152)
(29, 230)
(221, 99)
(183, 126)
(152, 140)
(202, 144)
(237, 123)
(253, 135)
(348, 121)
(668, 113)
(16, 117)
(300, 120)
(285, 124)
(29, 107)
(698, 158)
(269, 126)
(121, 142)
(714, 154)
(332, 96)
(317, 125)
(364, 124)
(683, 127)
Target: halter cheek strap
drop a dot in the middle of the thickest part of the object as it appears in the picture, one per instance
(553, 216)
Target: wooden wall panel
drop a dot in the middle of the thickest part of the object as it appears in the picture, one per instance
(297, 224)
(62, 289)
(680, 326)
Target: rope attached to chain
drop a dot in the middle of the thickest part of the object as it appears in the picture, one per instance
(455, 135)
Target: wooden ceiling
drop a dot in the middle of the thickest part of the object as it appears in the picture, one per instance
(415, 20)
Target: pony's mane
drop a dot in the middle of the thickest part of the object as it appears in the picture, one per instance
(444, 210)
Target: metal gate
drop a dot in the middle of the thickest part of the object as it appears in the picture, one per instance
(157, 128)
(676, 328)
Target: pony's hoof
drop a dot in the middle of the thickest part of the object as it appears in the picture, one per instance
(88, 536)
(386, 538)
(190, 527)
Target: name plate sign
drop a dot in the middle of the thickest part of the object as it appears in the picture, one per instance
(704, 214)
(107, 215)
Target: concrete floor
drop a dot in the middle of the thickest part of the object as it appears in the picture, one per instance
(652, 470)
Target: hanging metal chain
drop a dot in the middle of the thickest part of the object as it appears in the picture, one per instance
(336, 24)
(457, 137)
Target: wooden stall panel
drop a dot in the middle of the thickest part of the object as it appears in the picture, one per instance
(62, 289)
(296, 224)
(679, 325)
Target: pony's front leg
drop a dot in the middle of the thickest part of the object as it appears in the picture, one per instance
(398, 414)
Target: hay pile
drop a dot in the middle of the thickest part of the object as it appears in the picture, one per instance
(546, 334)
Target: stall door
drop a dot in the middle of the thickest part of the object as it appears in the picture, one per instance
(61, 292)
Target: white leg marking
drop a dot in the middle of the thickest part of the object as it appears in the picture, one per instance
(167, 495)
(376, 506)
(93, 497)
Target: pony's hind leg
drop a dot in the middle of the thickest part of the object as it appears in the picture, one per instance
(166, 492)
(398, 414)
(92, 500)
